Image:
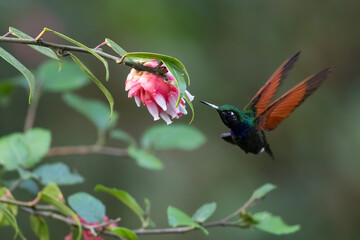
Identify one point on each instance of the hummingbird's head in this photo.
(229, 114)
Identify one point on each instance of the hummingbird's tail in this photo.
(268, 151)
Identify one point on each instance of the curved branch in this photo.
(97, 229)
(69, 48)
(83, 150)
(71, 222)
(175, 230)
(20, 203)
(49, 211)
(31, 112)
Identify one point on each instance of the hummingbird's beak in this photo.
(209, 104)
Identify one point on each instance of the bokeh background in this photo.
(230, 48)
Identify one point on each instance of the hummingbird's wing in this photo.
(262, 98)
(282, 107)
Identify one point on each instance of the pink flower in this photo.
(87, 235)
(158, 95)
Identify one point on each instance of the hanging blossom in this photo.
(158, 95)
(87, 234)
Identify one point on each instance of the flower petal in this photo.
(133, 90)
(137, 100)
(132, 79)
(171, 111)
(165, 117)
(160, 100)
(152, 63)
(172, 99)
(158, 95)
(191, 97)
(182, 109)
(154, 111)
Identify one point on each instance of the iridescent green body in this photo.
(244, 131)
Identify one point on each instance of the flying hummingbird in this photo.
(247, 126)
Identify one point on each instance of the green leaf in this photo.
(273, 224)
(69, 78)
(19, 66)
(53, 191)
(144, 159)
(14, 151)
(44, 50)
(262, 191)
(122, 136)
(74, 232)
(13, 209)
(38, 141)
(180, 80)
(107, 94)
(178, 218)
(247, 218)
(39, 227)
(11, 219)
(96, 111)
(119, 50)
(204, 212)
(62, 208)
(84, 47)
(58, 173)
(24, 150)
(88, 207)
(123, 232)
(124, 197)
(172, 137)
(25, 174)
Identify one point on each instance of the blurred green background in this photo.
(230, 48)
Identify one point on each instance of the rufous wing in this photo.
(282, 107)
(262, 98)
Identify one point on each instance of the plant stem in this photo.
(31, 113)
(63, 48)
(20, 203)
(246, 205)
(71, 222)
(17, 183)
(49, 211)
(83, 150)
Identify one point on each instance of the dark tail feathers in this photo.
(268, 151)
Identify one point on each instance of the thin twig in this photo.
(31, 113)
(83, 150)
(61, 47)
(71, 221)
(183, 229)
(20, 203)
(17, 183)
(6, 34)
(96, 228)
(225, 222)
(100, 229)
(247, 204)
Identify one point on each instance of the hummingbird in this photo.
(248, 126)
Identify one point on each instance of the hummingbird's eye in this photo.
(232, 113)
